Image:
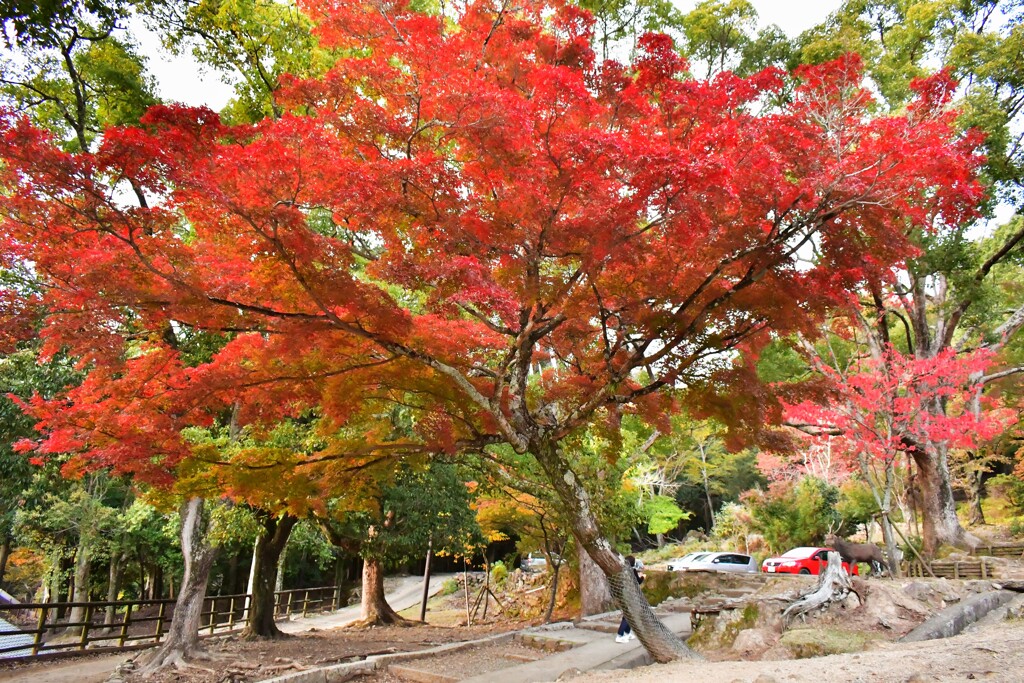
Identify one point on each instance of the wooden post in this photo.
(40, 628)
(231, 614)
(124, 625)
(86, 623)
(305, 603)
(213, 615)
(160, 621)
(956, 569)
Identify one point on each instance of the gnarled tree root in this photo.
(833, 586)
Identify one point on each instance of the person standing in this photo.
(625, 632)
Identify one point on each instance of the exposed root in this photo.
(401, 622)
(180, 659)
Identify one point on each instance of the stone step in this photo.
(602, 626)
(523, 657)
(545, 642)
(408, 673)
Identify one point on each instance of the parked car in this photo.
(720, 562)
(681, 563)
(536, 562)
(805, 560)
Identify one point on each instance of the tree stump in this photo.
(834, 585)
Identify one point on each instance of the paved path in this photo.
(595, 650)
(402, 592)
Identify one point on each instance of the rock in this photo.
(765, 678)
(817, 642)
(918, 678)
(569, 674)
(752, 640)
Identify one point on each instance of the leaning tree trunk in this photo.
(661, 643)
(375, 608)
(939, 523)
(260, 622)
(182, 641)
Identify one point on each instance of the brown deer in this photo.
(859, 552)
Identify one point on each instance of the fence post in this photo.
(124, 625)
(305, 603)
(288, 608)
(956, 569)
(84, 640)
(213, 615)
(40, 627)
(231, 614)
(160, 621)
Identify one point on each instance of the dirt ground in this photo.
(992, 653)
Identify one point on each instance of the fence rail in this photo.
(40, 629)
(954, 569)
(1014, 550)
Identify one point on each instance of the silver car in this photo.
(681, 563)
(721, 562)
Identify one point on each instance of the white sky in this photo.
(182, 79)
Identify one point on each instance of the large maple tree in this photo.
(457, 199)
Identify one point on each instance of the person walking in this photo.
(625, 632)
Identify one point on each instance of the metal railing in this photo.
(124, 625)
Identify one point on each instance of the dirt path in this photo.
(992, 653)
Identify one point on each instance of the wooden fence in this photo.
(41, 630)
(1013, 550)
(954, 569)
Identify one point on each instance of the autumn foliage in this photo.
(456, 200)
(884, 407)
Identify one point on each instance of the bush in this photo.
(789, 515)
(450, 587)
(1017, 526)
(1011, 488)
(499, 572)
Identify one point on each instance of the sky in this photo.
(182, 79)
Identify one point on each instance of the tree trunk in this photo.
(260, 622)
(117, 561)
(375, 608)
(939, 523)
(5, 552)
(80, 591)
(595, 593)
(182, 642)
(977, 491)
(662, 644)
(554, 591)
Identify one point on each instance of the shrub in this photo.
(1011, 488)
(499, 572)
(450, 587)
(789, 515)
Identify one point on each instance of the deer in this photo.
(858, 552)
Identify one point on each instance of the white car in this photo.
(719, 562)
(681, 563)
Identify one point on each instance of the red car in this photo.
(802, 561)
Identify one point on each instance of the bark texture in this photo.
(260, 622)
(182, 643)
(939, 524)
(375, 608)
